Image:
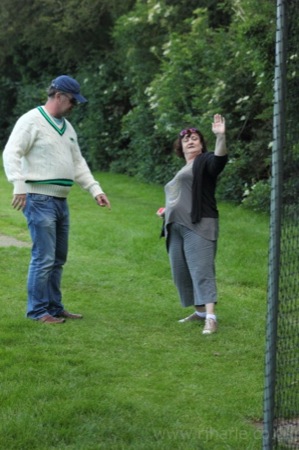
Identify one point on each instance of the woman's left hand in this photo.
(218, 126)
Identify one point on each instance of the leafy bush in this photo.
(149, 70)
(257, 196)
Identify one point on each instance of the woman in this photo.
(191, 222)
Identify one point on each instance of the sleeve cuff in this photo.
(20, 187)
(96, 190)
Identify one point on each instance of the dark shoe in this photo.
(68, 315)
(50, 319)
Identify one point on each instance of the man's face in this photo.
(66, 103)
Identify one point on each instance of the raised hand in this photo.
(218, 126)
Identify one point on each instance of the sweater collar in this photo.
(52, 122)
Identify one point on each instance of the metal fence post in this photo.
(275, 224)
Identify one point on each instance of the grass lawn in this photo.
(129, 376)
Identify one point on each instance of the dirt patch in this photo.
(8, 241)
(286, 432)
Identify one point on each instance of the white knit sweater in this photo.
(42, 158)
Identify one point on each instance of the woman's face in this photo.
(191, 145)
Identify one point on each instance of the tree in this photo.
(40, 39)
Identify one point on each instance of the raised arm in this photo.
(218, 128)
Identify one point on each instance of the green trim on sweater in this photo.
(50, 121)
(59, 182)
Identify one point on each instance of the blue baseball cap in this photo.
(67, 84)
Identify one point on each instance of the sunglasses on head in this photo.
(188, 131)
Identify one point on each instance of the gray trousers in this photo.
(192, 262)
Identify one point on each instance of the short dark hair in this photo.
(51, 91)
(178, 148)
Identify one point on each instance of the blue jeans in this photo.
(48, 223)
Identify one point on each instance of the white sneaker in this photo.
(193, 318)
(210, 326)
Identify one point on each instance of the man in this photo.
(42, 159)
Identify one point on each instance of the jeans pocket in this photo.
(39, 198)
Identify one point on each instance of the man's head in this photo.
(64, 94)
(67, 85)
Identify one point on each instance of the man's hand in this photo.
(218, 126)
(102, 200)
(19, 201)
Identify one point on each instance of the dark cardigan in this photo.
(206, 168)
